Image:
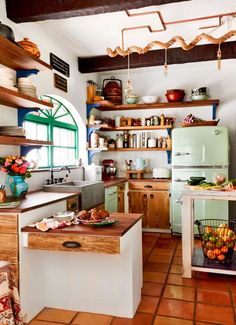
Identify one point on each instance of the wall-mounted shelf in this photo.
(16, 58)
(20, 141)
(129, 149)
(15, 99)
(107, 106)
(106, 127)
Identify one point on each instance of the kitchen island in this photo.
(83, 268)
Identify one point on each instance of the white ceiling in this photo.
(91, 35)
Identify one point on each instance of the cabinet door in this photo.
(111, 199)
(158, 210)
(138, 204)
(120, 202)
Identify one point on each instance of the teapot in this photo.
(140, 163)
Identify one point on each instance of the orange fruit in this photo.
(224, 249)
(217, 251)
(220, 257)
(211, 255)
(210, 245)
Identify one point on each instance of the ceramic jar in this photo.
(29, 47)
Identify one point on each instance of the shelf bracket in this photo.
(90, 107)
(22, 112)
(24, 150)
(214, 108)
(168, 156)
(26, 73)
(90, 156)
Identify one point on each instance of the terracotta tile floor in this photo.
(167, 298)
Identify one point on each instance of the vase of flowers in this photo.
(17, 169)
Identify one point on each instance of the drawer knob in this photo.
(71, 244)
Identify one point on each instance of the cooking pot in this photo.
(161, 173)
(7, 32)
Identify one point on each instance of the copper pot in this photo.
(175, 95)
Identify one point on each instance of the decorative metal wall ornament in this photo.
(176, 39)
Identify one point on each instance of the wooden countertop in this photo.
(36, 200)
(126, 221)
(156, 180)
(114, 181)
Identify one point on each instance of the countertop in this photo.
(156, 180)
(36, 200)
(115, 181)
(126, 221)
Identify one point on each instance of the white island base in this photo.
(90, 282)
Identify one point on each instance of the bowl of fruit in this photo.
(218, 239)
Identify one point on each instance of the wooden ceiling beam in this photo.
(27, 10)
(199, 53)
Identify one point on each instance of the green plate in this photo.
(104, 223)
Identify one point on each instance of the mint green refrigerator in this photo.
(198, 151)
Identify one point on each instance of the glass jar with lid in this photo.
(119, 141)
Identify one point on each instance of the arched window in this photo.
(56, 125)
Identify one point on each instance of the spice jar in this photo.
(126, 139)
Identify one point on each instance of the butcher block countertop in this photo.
(125, 222)
(114, 181)
(35, 200)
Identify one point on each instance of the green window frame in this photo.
(59, 121)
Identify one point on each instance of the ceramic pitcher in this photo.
(140, 163)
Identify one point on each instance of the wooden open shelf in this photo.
(16, 58)
(105, 127)
(20, 141)
(107, 106)
(129, 149)
(16, 99)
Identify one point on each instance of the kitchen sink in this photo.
(91, 193)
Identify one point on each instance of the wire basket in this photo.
(218, 239)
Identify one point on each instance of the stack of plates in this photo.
(7, 78)
(15, 131)
(26, 87)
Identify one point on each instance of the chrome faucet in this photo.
(57, 170)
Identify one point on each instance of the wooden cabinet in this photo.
(9, 241)
(121, 197)
(152, 200)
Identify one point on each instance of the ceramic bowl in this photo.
(150, 99)
(97, 122)
(199, 97)
(64, 216)
(131, 99)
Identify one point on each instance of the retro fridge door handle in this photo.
(181, 154)
(180, 180)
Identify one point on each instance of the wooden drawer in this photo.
(9, 248)
(87, 244)
(8, 223)
(121, 187)
(149, 186)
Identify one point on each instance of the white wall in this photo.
(221, 85)
(44, 82)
